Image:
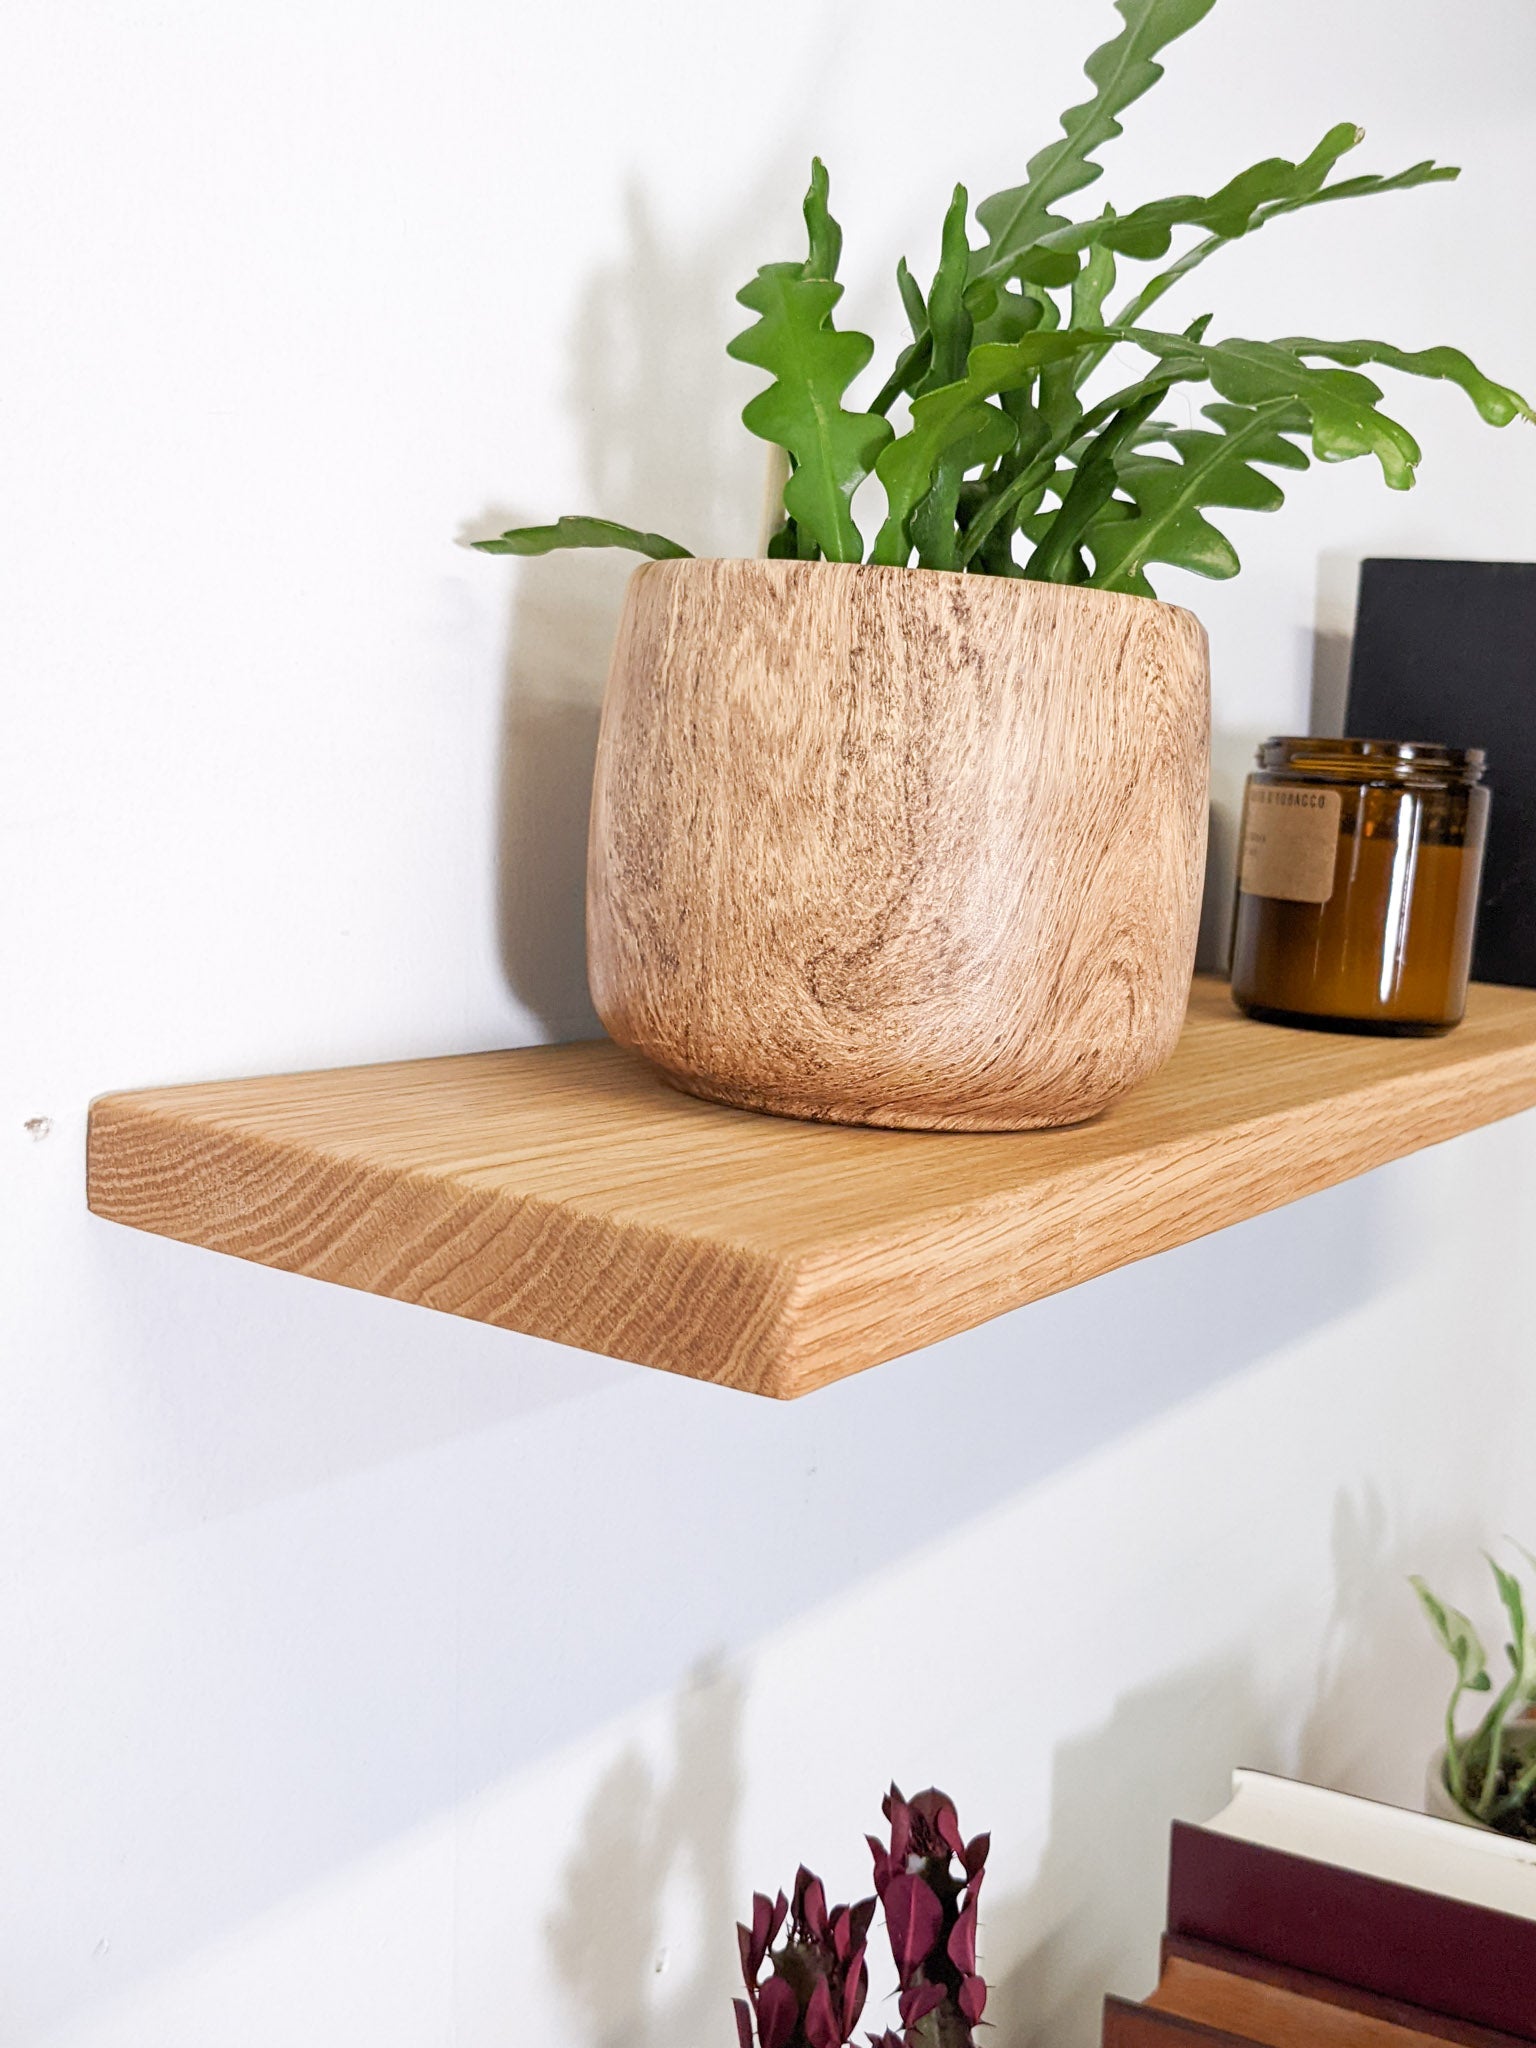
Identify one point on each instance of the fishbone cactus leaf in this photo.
(950, 326)
(1229, 223)
(1147, 231)
(831, 450)
(954, 414)
(1121, 71)
(1008, 435)
(1170, 497)
(1496, 402)
(575, 532)
(1341, 404)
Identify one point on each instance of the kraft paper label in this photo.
(1290, 842)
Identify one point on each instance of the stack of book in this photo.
(1300, 1918)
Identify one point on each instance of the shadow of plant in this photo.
(644, 1838)
(1376, 1718)
(657, 404)
(1166, 1751)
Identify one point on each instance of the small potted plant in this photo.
(809, 1991)
(912, 832)
(1488, 1774)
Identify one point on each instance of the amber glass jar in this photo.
(1357, 884)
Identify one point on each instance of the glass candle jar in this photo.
(1357, 884)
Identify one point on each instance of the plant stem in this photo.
(1035, 477)
(1455, 1769)
(775, 477)
(1092, 488)
(1039, 470)
(1492, 1734)
(911, 367)
(1519, 1791)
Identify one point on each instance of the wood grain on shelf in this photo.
(566, 1191)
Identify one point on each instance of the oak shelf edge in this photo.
(567, 1193)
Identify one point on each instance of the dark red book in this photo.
(1423, 1911)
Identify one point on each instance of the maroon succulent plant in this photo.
(817, 1980)
(930, 1916)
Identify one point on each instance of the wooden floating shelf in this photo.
(567, 1192)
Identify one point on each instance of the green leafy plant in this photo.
(1006, 462)
(1491, 1772)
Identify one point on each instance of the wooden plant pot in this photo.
(889, 846)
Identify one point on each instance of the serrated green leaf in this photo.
(1045, 266)
(907, 375)
(991, 311)
(1009, 506)
(1366, 186)
(1146, 232)
(912, 363)
(831, 450)
(1009, 316)
(578, 532)
(1496, 402)
(949, 317)
(1050, 312)
(1059, 403)
(913, 302)
(1341, 404)
(822, 231)
(1121, 70)
(1170, 497)
(934, 526)
(1059, 556)
(1092, 286)
(954, 414)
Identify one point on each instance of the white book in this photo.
(1446, 1857)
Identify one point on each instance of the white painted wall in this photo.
(372, 1678)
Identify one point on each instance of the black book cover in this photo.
(1446, 651)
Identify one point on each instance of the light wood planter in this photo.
(888, 846)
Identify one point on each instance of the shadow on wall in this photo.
(1232, 752)
(1104, 1869)
(524, 1495)
(562, 630)
(1338, 586)
(1167, 1751)
(658, 405)
(607, 1938)
(1024, 1396)
(1377, 1654)
(1330, 680)
(1231, 758)
(1090, 1922)
(480, 1455)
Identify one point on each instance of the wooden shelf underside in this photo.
(566, 1191)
